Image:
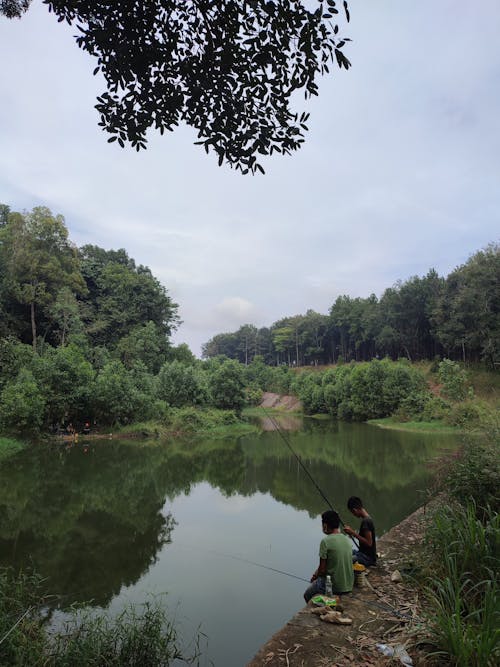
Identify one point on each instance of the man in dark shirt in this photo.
(367, 552)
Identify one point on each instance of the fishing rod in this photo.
(286, 441)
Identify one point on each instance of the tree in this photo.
(123, 296)
(179, 385)
(228, 69)
(38, 261)
(466, 316)
(227, 386)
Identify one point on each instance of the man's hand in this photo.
(349, 530)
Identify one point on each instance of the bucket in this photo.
(359, 575)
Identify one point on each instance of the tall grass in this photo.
(140, 635)
(463, 546)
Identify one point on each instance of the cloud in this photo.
(399, 172)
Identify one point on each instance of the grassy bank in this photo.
(461, 559)
(9, 447)
(191, 421)
(414, 426)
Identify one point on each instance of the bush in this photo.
(227, 386)
(179, 385)
(253, 395)
(22, 405)
(476, 473)
(454, 380)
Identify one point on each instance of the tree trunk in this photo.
(33, 324)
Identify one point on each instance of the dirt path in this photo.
(306, 641)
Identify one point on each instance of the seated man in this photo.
(335, 559)
(367, 552)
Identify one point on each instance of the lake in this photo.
(114, 521)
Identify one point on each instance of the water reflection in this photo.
(94, 518)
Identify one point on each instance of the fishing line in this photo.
(378, 605)
(286, 441)
(244, 560)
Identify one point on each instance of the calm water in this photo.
(116, 521)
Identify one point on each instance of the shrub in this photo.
(476, 473)
(226, 385)
(253, 395)
(22, 405)
(179, 385)
(454, 380)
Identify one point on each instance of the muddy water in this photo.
(113, 521)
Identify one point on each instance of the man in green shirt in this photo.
(335, 559)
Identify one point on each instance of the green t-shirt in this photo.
(336, 548)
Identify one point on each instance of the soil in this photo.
(285, 403)
(382, 612)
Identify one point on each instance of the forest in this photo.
(85, 338)
(455, 317)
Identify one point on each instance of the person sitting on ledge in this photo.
(367, 552)
(335, 559)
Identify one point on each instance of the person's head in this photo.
(355, 505)
(330, 521)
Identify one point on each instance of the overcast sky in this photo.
(400, 171)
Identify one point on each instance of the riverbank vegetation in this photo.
(139, 635)
(462, 558)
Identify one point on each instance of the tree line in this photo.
(457, 317)
(85, 336)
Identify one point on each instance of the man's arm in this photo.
(365, 537)
(321, 571)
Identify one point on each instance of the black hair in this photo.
(331, 518)
(354, 503)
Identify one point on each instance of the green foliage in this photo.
(422, 318)
(9, 447)
(263, 52)
(227, 386)
(358, 391)
(115, 395)
(67, 380)
(454, 380)
(145, 343)
(466, 313)
(20, 601)
(308, 387)
(181, 385)
(462, 591)
(38, 262)
(126, 301)
(22, 404)
(476, 473)
(253, 396)
(199, 420)
(139, 635)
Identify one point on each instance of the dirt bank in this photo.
(306, 641)
(285, 403)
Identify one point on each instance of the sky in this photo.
(400, 171)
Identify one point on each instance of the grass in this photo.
(191, 421)
(140, 635)
(9, 447)
(422, 427)
(462, 556)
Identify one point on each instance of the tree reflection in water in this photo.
(94, 517)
